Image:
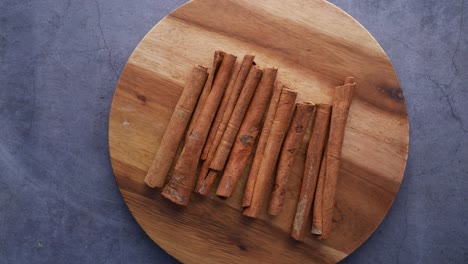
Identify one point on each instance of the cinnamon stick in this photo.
(224, 148)
(341, 104)
(315, 149)
(175, 129)
(248, 132)
(223, 115)
(220, 113)
(317, 215)
(279, 127)
(299, 124)
(180, 185)
(261, 147)
(218, 58)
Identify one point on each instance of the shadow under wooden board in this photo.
(315, 45)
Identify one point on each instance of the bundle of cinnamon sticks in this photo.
(237, 112)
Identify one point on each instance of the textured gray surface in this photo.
(59, 64)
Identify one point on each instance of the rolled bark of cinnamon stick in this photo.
(180, 185)
(236, 119)
(275, 140)
(317, 215)
(315, 149)
(233, 91)
(299, 124)
(218, 58)
(248, 132)
(172, 137)
(219, 159)
(342, 102)
(261, 147)
(223, 116)
(220, 113)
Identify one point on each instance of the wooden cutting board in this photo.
(315, 45)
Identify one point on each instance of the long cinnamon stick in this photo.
(299, 124)
(315, 149)
(220, 113)
(236, 119)
(175, 129)
(180, 185)
(233, 91)
(342, 102)
(275, 140)
(223, 115)
(218, 58)
(317, 215)
(218, 161)
(248, 132)
(261, 147)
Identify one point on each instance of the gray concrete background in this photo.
(59, 64)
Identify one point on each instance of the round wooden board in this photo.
(315, 45)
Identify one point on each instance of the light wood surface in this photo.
(315, 46)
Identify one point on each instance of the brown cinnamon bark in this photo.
(220, 113)
(227, 106)
(216, 134)
(180, 185)
(311, 171)
(167, 151)
(299, 124)
(218, 58)
(236, 119)
(317, 215)
(248, 132)
(261, 147)
(280, 125)
(218, 161)
(341, 104)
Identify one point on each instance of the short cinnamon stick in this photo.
(315, 150)
(341, 104)
(167, 151)
(261, 147)
(247, 135)
(180, 185)
(299, 124)
(218, 58)
(278, 131)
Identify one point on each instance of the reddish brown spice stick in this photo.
(167, 151)
(236, 119)
(261, 147)
(248, 132)
(299, 124)
(341, 104)
(227, 106)
(180, 185)
(315, 149)
(317, 215)
(218, 58)
(219, 159)
(272, 149)
(223, 116)
(220, 113)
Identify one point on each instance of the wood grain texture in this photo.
(315, 46)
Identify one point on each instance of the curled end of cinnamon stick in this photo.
(349, 80)
(174, 196)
